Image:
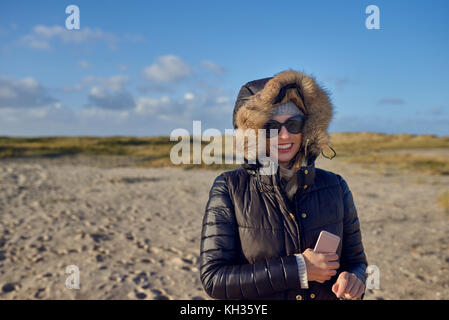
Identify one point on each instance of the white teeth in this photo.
(285, 146)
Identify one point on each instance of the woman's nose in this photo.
(284, 134)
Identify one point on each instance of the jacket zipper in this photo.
(297, 223)
(301, 231)
(288, 209)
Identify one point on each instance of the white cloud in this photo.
(222, 99)
(108, 93)
(152, 106)
(101, 114)
(189, 96)
(105, 93)
(212, 66)
(38, 44)
(23, 93)
(111, 94)
(110, 109)
(340, 82)
(41, 37)
(135, 38)
(122, 67)
(391, 100)
(167, 68)
(7, 93)
(50, 112)
(113, 83)
(84, 64)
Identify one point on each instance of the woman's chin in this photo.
(284, 157)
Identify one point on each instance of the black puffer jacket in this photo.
(251, 232)
(250, 235)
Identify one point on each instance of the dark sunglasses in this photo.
(293, 125)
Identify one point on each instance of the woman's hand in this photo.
(348, 285)
(320, 266)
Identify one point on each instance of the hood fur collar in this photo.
(255, 102)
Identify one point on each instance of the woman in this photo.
(259, 229)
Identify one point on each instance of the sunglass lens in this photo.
(272, 129)
(294, 126)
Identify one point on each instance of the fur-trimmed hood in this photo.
(254, 105)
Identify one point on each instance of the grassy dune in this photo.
(363, 147)
(359, 142)
(443, 201)
(404, 151)
(149, 151)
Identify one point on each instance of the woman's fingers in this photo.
(330, 273)
(331, 257)
(342, 284)
(351, 284)
(352, 291)
(356, 289)
(335, 288)
(333, 265)
(327, 276)
(348, 285)
(360, 289)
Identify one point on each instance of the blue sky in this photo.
(144, 68)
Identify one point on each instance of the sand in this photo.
(134, 233)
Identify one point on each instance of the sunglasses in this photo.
(293, 125)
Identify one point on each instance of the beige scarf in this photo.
(288, 176)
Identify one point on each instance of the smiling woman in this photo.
(259, 229)
(286, 123)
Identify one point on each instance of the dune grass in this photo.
(362, 147)
(383, 149)
(438, 165)
(352, 143)
(58, 146)
(149, 151)
(443, 201)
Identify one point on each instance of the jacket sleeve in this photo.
(222, 272)
(353, 257)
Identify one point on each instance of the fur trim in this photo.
(257, 109)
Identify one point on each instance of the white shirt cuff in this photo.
(302, 271)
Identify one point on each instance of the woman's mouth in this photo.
(286, 147)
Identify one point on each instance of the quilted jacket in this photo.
(251, 230)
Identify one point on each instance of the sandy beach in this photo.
(134, 233)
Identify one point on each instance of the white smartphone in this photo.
(327, 243)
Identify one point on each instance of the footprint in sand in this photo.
(141, 277)
(159, 295)
(11, 286)
(140, 295)
(98, 237)
(40, 293)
